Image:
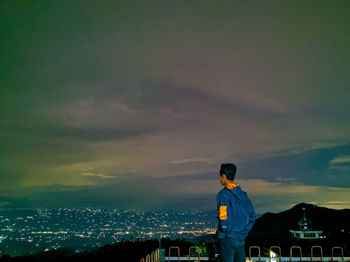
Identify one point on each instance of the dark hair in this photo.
(229, 170)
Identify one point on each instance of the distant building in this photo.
(306, 231)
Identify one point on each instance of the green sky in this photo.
(136, 104)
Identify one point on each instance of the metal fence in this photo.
(153, 257)
(275, 255)
(296, 254)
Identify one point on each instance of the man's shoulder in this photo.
(244, 193)
(223, 192)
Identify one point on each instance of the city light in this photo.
(49, 229)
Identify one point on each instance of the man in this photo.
(236, 216)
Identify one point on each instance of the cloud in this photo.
(208, 160)
(103, 176)
(178, 193)
(313, 146)
(285, 179)
(261, 187)
(333, 204)
(173, 94)
(310, 167)
(279, 196)
(340, 160)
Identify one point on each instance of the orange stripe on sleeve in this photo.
(222, 212)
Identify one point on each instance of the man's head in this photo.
(227, 172)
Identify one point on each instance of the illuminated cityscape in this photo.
(38, 230)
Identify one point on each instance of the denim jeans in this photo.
(232, 250)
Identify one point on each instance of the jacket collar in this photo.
(231, 185)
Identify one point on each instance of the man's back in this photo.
(236, 216)
(240, 215)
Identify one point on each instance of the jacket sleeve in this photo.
(252, 215)
(223, 205)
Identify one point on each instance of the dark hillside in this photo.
(278, 225)
(273, 229)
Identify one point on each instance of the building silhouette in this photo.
(305, 229)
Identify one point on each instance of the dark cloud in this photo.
(181, 192)
(311, 167)
(93, 91)
(59, 132)
(141, 193)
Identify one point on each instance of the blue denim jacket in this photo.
(236, 213)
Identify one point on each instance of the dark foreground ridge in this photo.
(269, 230)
